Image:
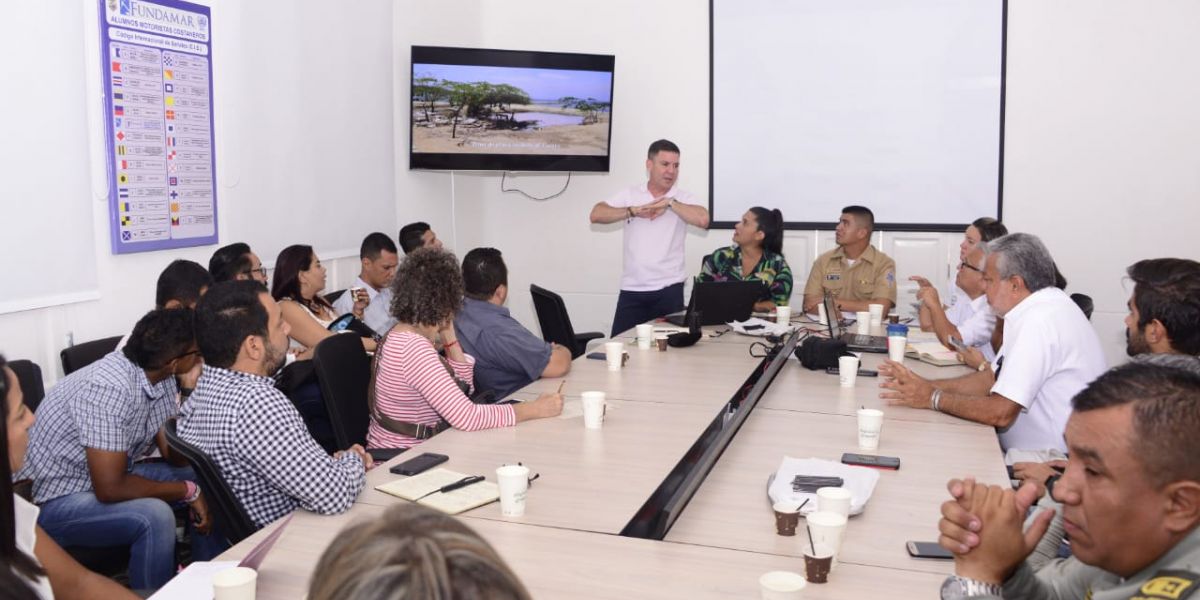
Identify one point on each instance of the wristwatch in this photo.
(956, 588)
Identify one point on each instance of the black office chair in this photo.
(344, 373)
(81, 355)
(30, 377)
(332, 297)
(227, 511)
(1084, 302)
(556, 324)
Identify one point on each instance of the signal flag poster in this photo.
(156, 61)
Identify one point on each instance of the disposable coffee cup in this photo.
(783, 315)
(817, 562)
(593, 410)
(897, 344)
(237, 583)
(514, 487)
(847, 370)
(645, 336)
(870, 426)
(661, 343)
(876, 312)
(862, 322)
(781, 585)
(614, 353)
(787, 517)
(834, 500)
(821, 316)
(358, 294)
(827, 528)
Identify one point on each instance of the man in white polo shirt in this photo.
(656, 216)
(1050, 353)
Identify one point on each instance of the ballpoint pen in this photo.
(450, 487)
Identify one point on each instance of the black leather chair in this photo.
(81, 355)
(344, 373)
(1085, 304)
(332, 297)
(226, 510)
(556, 324)
(30, 377)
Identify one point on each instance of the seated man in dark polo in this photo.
(248, 427)
(507, 356)
(93, 427)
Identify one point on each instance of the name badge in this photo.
(833, 277)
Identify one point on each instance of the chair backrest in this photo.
(344, 373)
(552, 317)
(81, 355)
(332, 297)
(231, 517)
(1085, 304)
(29, 375)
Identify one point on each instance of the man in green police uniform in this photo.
(855, 272)
(1130, 496)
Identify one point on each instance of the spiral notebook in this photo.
(451, 503)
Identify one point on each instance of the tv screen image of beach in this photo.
(510, 110)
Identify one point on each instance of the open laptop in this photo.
(721, 302)
(854, 341)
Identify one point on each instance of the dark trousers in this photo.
(634, 308)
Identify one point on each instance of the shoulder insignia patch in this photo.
(1168, 585)
(891, 278)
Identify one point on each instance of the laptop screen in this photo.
(833, 316)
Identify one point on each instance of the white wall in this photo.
(1100, 154)
(291, 82)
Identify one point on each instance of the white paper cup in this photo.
(876, 312)
(593, 410)
(614, 353)
(821, 316)
(834, 500)
(514, 487)
(870, 426)
(847, 370)
(896, 346)
(781, 585)
(645, 336)
(862, 322)
(783, 315)
(827, 530)
(237, 583)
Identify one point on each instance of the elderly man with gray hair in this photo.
(1050, 353)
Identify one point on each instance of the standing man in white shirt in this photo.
(379, 260)
(656, 216)
(1050, 353)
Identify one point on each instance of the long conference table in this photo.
(593, 482)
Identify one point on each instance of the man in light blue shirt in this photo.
(379, 261)
(507, 356)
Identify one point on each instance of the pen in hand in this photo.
(560, 386)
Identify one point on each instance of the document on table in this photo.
(451, 503)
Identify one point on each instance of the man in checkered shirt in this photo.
(91, 429)
(248, 427)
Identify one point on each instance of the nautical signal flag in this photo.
(124, 207)
(121, 136)
(174, 207)
(170, 100)
(118, 96)
(117, 52)
(116, 67)
(125, 221)
(117, 121)
(175, 221)
(168, 88)
(118, 110)
(118, 81)
(120, 150)
(170, 141)
(123, 178)
(123, 193)
(167, 74)
(125, 236)
(174, 181)
(124, 164)
(170, 114)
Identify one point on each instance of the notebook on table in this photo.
(857, 342)
(933, 353)
(721, 302)
(451, 503)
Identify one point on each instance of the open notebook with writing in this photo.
(451, 503)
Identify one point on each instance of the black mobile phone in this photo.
(871, 460)
(957, 344)
(927, 550)
(861, 372)
(754, 327)
(596, 355)
(419, 464)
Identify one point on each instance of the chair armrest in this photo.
(584, 338)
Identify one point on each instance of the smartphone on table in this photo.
(927, 550)
(419, 464)
(871, 460)
(861, 372)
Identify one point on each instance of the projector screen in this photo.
(896, 105)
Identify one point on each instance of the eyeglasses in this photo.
(261, 271)
(965, 265)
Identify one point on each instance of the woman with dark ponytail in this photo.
(756, 253)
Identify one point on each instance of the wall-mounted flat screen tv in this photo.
(506, 110)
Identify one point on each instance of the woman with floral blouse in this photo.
(756, 253)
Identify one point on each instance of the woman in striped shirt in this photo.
(417, 393)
